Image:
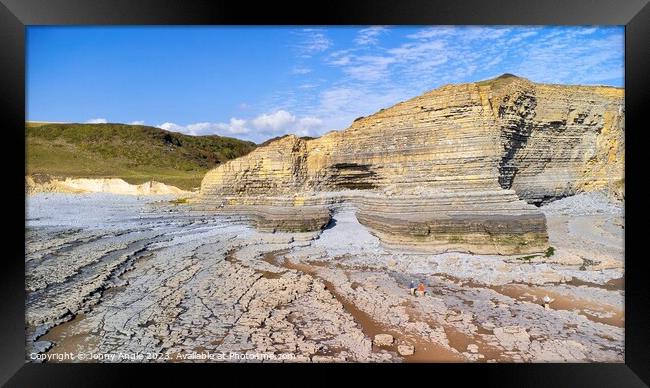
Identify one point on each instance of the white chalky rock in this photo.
(405, 350)
(513, 337)
(383, 340)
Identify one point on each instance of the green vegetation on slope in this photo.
(135, 153)
(499, 81)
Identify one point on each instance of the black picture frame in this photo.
(15, 15)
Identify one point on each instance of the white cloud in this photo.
(415, 60)
(369, 68)
(410, 57)
(97, 121)
(307, 126)
(587, 31)
(282, 122)
(340, 57)
(417, 50)
(257, 129)
(205, 128)
(300, 70)
(309, 122)
(495, 61)
(573, 57)
(340, 105)
(167, 126)
(137, 122)
(341, 61)
(234, 127)
(274, 121)
(370, 35)
(432, 32)
(522, 36)
(312, 41)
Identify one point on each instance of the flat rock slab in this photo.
(383, 340)
(406, 350)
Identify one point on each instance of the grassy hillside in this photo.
(135, 153)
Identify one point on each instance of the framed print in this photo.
(427, 188)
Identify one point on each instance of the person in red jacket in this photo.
(421, 289)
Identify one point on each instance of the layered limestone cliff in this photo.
(456, 168)
(560, 140)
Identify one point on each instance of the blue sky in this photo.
(255, 83)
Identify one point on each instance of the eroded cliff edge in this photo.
(457, 168)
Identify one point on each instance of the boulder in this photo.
(405, 349)
(383, 340)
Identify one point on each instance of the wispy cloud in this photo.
(569, 58)
(379, 76)
(312, 41)
(137, 122)
(370, 35)
(447, 53)
(340, 105)
(587, 31)
(431, 32)
(369, 67)
(385, 63)
(300, 70)
(374, 73)
(415, 51)
(522, 36)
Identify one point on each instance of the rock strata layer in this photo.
(453, 169)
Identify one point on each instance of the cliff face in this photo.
(443, 139)
(451, 169)
(560, 140)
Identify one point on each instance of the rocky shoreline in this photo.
(110, 274)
